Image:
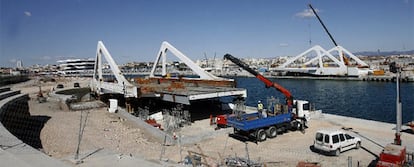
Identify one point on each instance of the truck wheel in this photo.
(337, 152)
(235, 131)
(287, 127)
(261, 135)
(284, 128)
(357, 145)
(271, 132)
(295, 125)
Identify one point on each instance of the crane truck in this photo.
(260, 126)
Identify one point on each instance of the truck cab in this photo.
(301, 108)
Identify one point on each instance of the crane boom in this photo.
(323, 25)
(346, 61)
(266, 81)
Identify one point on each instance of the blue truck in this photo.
(267, 123)
(259, 127)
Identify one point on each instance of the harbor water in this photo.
(366, 100)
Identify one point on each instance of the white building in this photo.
(19, 64)
(76, 67)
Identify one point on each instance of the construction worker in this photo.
(259, 106)
(260, 109)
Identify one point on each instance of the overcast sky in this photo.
(44, 31)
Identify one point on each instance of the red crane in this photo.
(221, 120)
(267, 82)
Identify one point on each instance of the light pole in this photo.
(397, 70)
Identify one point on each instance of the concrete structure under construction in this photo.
(161, 84)
(183, 99)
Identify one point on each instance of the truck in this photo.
(268, 123)
(301, 106)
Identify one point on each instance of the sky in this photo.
(44, 31)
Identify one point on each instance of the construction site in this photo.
(166, 120)
(177, 112)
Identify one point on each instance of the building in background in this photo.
(19, 64)
(76, 67)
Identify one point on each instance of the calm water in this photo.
(367, 100)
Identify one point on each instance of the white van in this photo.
(335, 141)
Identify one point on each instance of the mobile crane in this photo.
(346, 61)
(261, 126)
(267, 82)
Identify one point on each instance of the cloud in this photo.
(307, 13)
(406, 1)
(27, 13)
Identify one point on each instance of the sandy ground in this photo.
(117, 139)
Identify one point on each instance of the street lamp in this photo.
(397, 70)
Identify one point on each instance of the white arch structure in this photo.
(338, 68)
(183, 96)
(162, 56)
(121, 85)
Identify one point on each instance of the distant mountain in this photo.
(384, 53)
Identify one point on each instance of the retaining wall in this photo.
(162, 136)
(20, 132)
